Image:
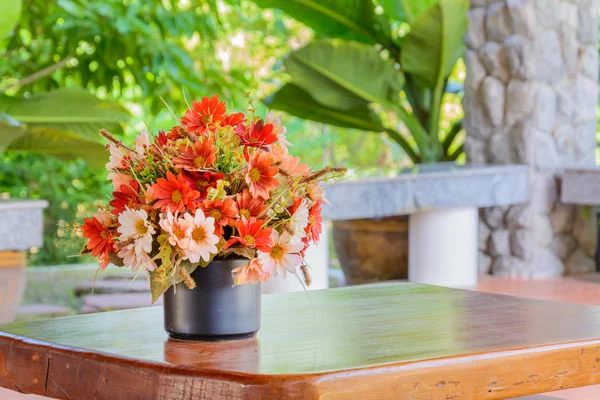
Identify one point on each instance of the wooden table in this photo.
(387, 341)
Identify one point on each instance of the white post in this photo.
(317, 257)
(443, 247)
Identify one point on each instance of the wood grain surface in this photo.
(386, 341)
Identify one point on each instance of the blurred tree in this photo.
(373, 56)
(142, 50)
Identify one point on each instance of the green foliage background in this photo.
(135, 52)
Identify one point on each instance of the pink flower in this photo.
(251, 272)
(283, 254)
(175, 228)
(135, 260)
(116, 160)
(118, 179)
(142, 142)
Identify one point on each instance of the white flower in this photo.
(278, 129)
(131, 258)
(283, 255)
(141, 142)
(202, 239)
(134, 225)
(298, 222)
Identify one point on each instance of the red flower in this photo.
(306, 242)
(204, 116)
(249, 206)
(161, 139)
(202, 181)
(292, 209)
(258, 135)
(223, 211)
(234, 119)
(200, 155)
(100, 240)
(174, 194)
(127, 195)
(251, 234)
(315, 222)
(261, 175)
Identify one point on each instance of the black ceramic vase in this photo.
(215, 309)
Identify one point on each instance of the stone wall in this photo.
(530, 98)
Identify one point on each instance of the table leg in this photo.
(443, 247)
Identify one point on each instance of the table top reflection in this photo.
(363, 341)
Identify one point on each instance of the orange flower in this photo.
(249, 206)
(204, 116)
(234, 119)
(261, 175)
(100, 240)
(315, 221)
(251, 234)
(223, 211)
(200, 155)
(257, 135)
(251, 272)
(174, 194)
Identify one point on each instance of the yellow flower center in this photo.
(104, 235)
(199, 234)
(176, 196)
(255, 175)
(215, 213)
(249, 239)
(179, 233)
(140, 227)
(202, 185)
(277, 252)
(245, 213)
(199, 162)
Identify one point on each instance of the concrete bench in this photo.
(442, 201)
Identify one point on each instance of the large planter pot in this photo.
(372, 250)
(215, 309)
(21, 228)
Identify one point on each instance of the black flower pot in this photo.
(215, 309)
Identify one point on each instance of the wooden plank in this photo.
(373, 342)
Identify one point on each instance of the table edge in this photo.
(318, 383)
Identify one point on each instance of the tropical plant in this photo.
(62, 122)
(371, 65)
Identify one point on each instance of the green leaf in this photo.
(159, 287)
(72, 110)
(295, 101)
(63, 123)
(66, 146)
(435, 42)
(10, 13)
(406, 10)
(10, 130)
(344, 75)
(344, 19)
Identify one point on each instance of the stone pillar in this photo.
(530, 98)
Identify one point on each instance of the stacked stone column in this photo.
(531, 92)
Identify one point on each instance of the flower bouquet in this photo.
(218, 191)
